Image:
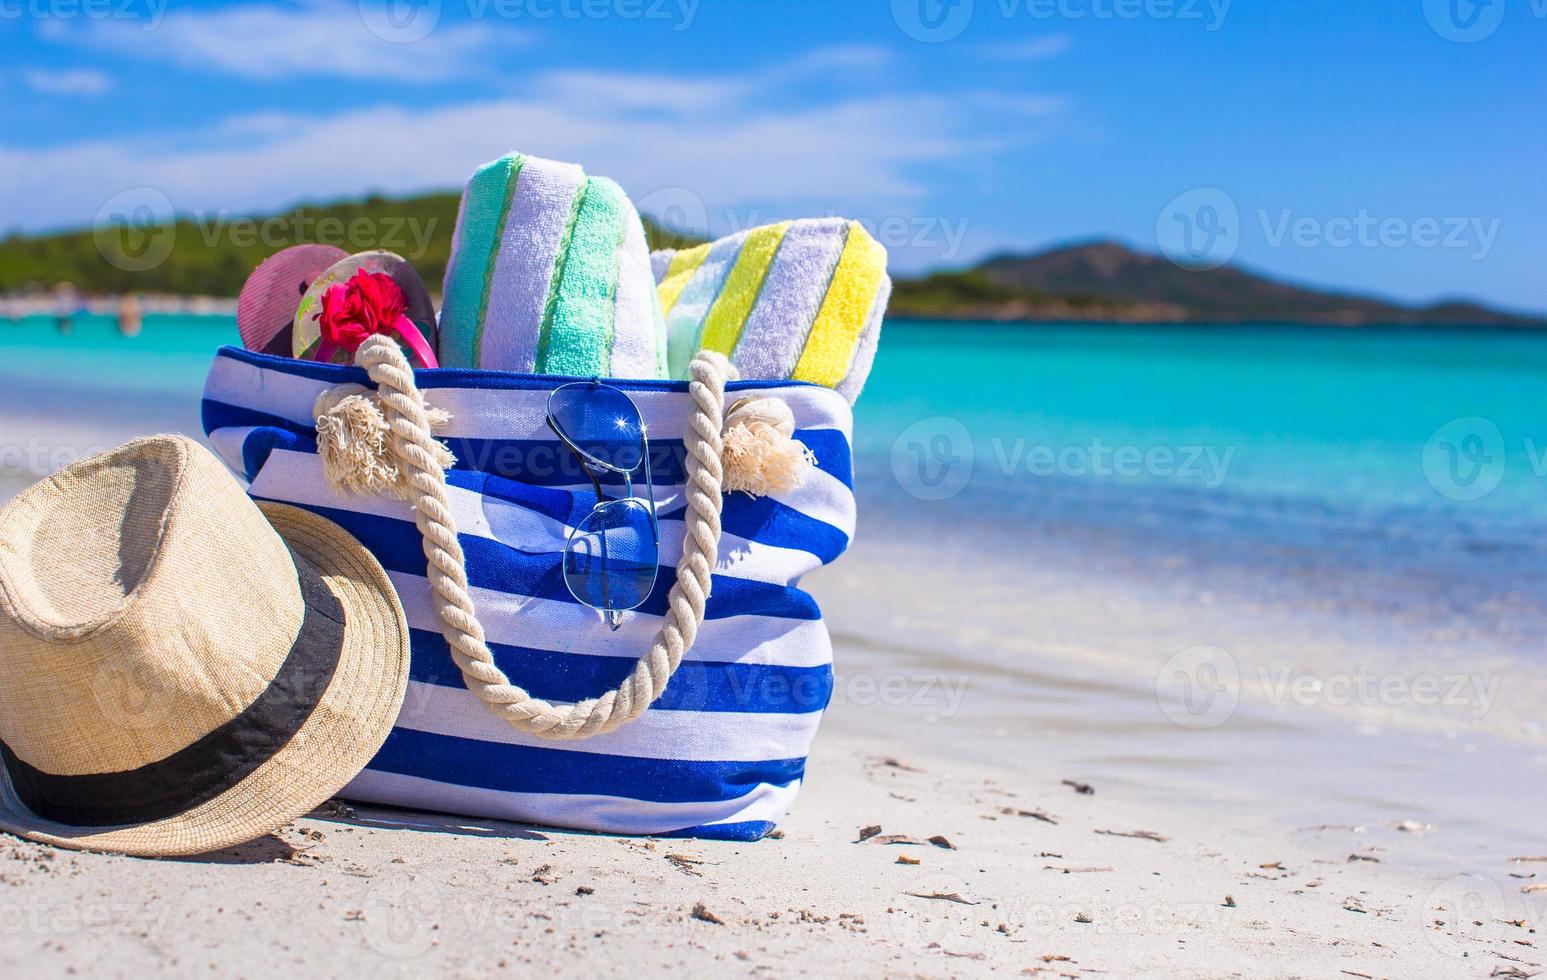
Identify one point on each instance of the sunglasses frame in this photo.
(587, 461)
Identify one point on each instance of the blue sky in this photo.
(1389, 146)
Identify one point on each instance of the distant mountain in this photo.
(1106, 280)
(211, 255)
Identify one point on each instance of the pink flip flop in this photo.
(419, 336)
(265, 310)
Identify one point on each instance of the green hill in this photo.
(212, 255)
(1107, 281)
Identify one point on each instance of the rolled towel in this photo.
(797, 299)
(550, 274)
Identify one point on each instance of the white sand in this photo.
(398, 894)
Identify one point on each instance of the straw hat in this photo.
(179, 674)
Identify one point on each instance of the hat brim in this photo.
(347, 727)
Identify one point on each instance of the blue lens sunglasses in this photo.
(613, 554)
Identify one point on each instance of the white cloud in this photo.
(718, 138)
(80, 81)
(313, 38)
(639, 90)
(1034, 49)
(659, 91)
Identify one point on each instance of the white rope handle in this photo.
(423, 481)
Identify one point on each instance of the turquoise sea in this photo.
(1307, 417)
(1397, 472)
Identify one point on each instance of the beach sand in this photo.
(1028, 875)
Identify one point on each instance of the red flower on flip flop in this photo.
(369, 303)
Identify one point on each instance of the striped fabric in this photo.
(549, 273)
(722, 752)
(798, 300)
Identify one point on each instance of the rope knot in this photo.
(762, 455)
(352, 439)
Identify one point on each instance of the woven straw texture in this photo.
(144, 602)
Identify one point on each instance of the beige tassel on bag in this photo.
(352, 441)
(762, 455)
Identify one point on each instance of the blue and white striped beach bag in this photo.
(722, 751)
